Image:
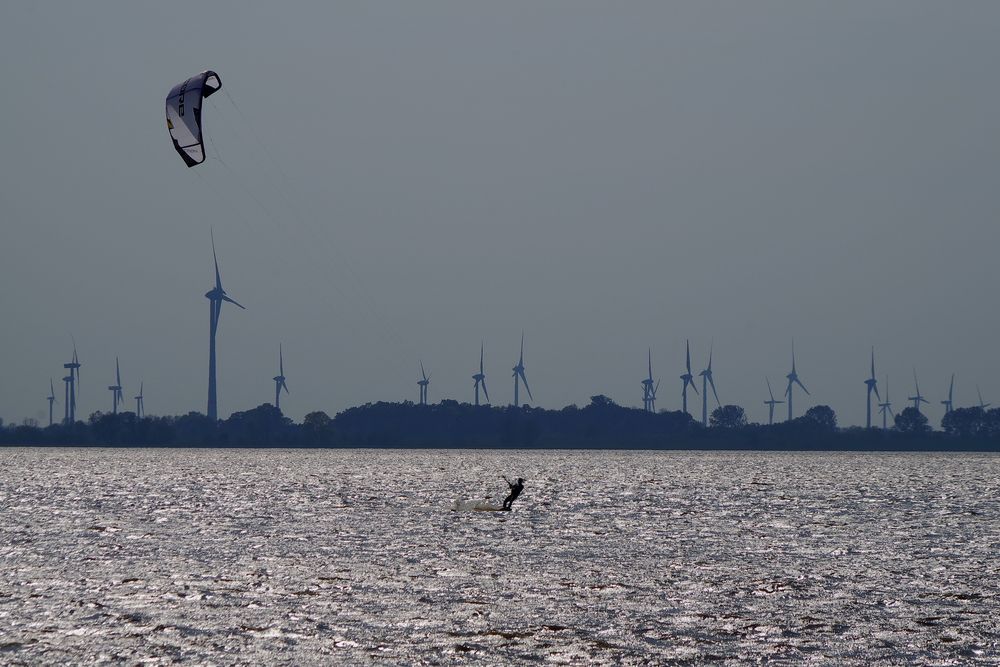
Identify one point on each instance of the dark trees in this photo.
(822, 417)
(728, 416)
(910, 420)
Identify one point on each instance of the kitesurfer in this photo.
(515, 491)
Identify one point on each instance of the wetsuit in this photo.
(515, 491)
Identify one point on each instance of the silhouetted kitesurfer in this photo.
(515, 491)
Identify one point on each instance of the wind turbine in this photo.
(872, 386)
(480, 377)
(279, 379)
(918, 399)
(52, 399)
(649, 387)
(422, 383)
(793, 379)
(948, 403)
(71, 381)
(771, 403)
(140, 408)
(215, 297)
(706, 379)
(687, 378)
(982, 406)
(519, 376)
(116, 389)
(885, 408)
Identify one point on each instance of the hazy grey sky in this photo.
(606, 176)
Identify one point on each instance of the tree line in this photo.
(600, 424)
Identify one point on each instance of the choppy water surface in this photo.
(319, 557)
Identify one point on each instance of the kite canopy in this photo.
(184, 115)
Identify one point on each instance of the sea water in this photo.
(355, 556)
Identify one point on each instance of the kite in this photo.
(184, 115)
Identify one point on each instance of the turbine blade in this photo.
(799, 382)
(525, 381)
(226, 298)
(688, 344)
(484, 390)
(215, 258)
(875, 387)
(712, 382)
(285, 386)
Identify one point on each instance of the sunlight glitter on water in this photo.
(348, 556)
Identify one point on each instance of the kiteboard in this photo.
(477, 506)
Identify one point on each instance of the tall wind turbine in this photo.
(872, 386)
(519, 376)
(885, 408)
(215, 297)
(649, 387)
(948, 404)
(71, 381)
(279, 379)
(687, 378)
(52, 399)
(793, 379)
(140, 408)
(917, 399)
(706, 379)
(771, 403)
(116, 389)
(422, 383)
(480, 377)
(982, 405)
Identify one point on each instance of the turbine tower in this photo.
(649, 388)
(688, 379)
(279, 379)
(872, 386)
(982, 406)
(519, 377)
(948, 404)
(771, 403)
(793, 379)
(886, 408)
(116, 389)
(917, 399)
(480, 377)
(67, 381)
(140, 409)
(52, 399)
(422, 383)
(71, 381)
(215, 297)
(706, 379)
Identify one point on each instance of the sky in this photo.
(391, 182)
